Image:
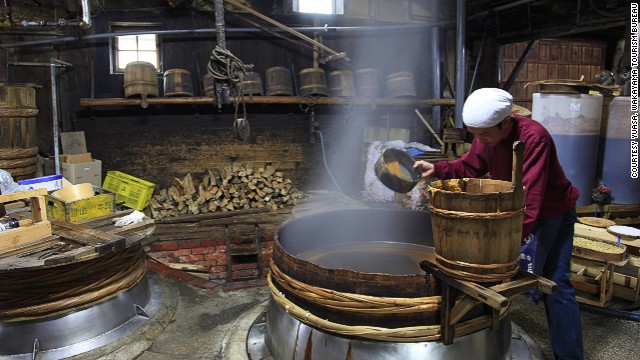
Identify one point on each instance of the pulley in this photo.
(241, 129)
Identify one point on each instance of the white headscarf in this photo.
(486, 107)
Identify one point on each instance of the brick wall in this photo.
(213, 256)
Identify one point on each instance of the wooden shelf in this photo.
(205, 100)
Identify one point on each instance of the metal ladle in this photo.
(395, 170)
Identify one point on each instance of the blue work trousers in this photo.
(552, 244)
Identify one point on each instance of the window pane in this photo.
(147, 42)
(125, 57)
(316, 6)
(127, 42)
(149, 56)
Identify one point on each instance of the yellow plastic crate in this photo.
(133, 192)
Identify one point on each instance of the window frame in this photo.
(132, 27)
(337, 7)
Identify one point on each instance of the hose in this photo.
(324, 158)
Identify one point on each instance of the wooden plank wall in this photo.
(551, 59)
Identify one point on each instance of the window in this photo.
(319, 6)
(136, 44)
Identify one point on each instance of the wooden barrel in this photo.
(279, 82)
(208, 85)
(341, 83)
(313, 82)
(367, 82)
(141, 78)
(251, 84)
(477, 228)
(400, 85)
(18, 149)
(177, 82)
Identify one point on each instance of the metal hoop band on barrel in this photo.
(141, 82)
(461, 214)
(509, 269)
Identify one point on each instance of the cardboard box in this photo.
(76, 158)
(90, 172)
(103, 203)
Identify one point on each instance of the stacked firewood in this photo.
(234, 188)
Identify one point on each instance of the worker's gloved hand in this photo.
(134, 217)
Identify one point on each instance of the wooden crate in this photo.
(626, 279)
(30, 230)
(593, 280)
(103, 203)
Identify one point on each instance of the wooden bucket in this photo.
(313, 82)
(341, 83)
(251, 84)
(208, 85)
(18, 149)
(141, 78)
(367, 82)
(177, 82)
(400, 85)
(279, 81)
(477, 228)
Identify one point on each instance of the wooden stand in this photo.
(460, 296)
(36, 228)
(600, 285)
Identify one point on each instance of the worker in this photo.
(549, 217)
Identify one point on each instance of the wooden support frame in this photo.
(460, 296)
(30, 230)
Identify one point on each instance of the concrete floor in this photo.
(213, 324)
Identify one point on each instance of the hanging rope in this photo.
(224, 66)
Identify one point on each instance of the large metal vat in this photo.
(370, 253)
(574, 123)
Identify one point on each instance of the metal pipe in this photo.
(460, 62)
(500, 8)
(27, 63)
(384, 29)
(436, 84)
(86, 14)
(54, 108)
(220, 31)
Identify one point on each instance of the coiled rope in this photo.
(224, 66)
(31, 294)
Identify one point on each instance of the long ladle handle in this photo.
(516, 172)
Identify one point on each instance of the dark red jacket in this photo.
(548, 191)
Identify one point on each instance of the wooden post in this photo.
(516, 173)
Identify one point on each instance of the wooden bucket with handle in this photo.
(477, 225)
